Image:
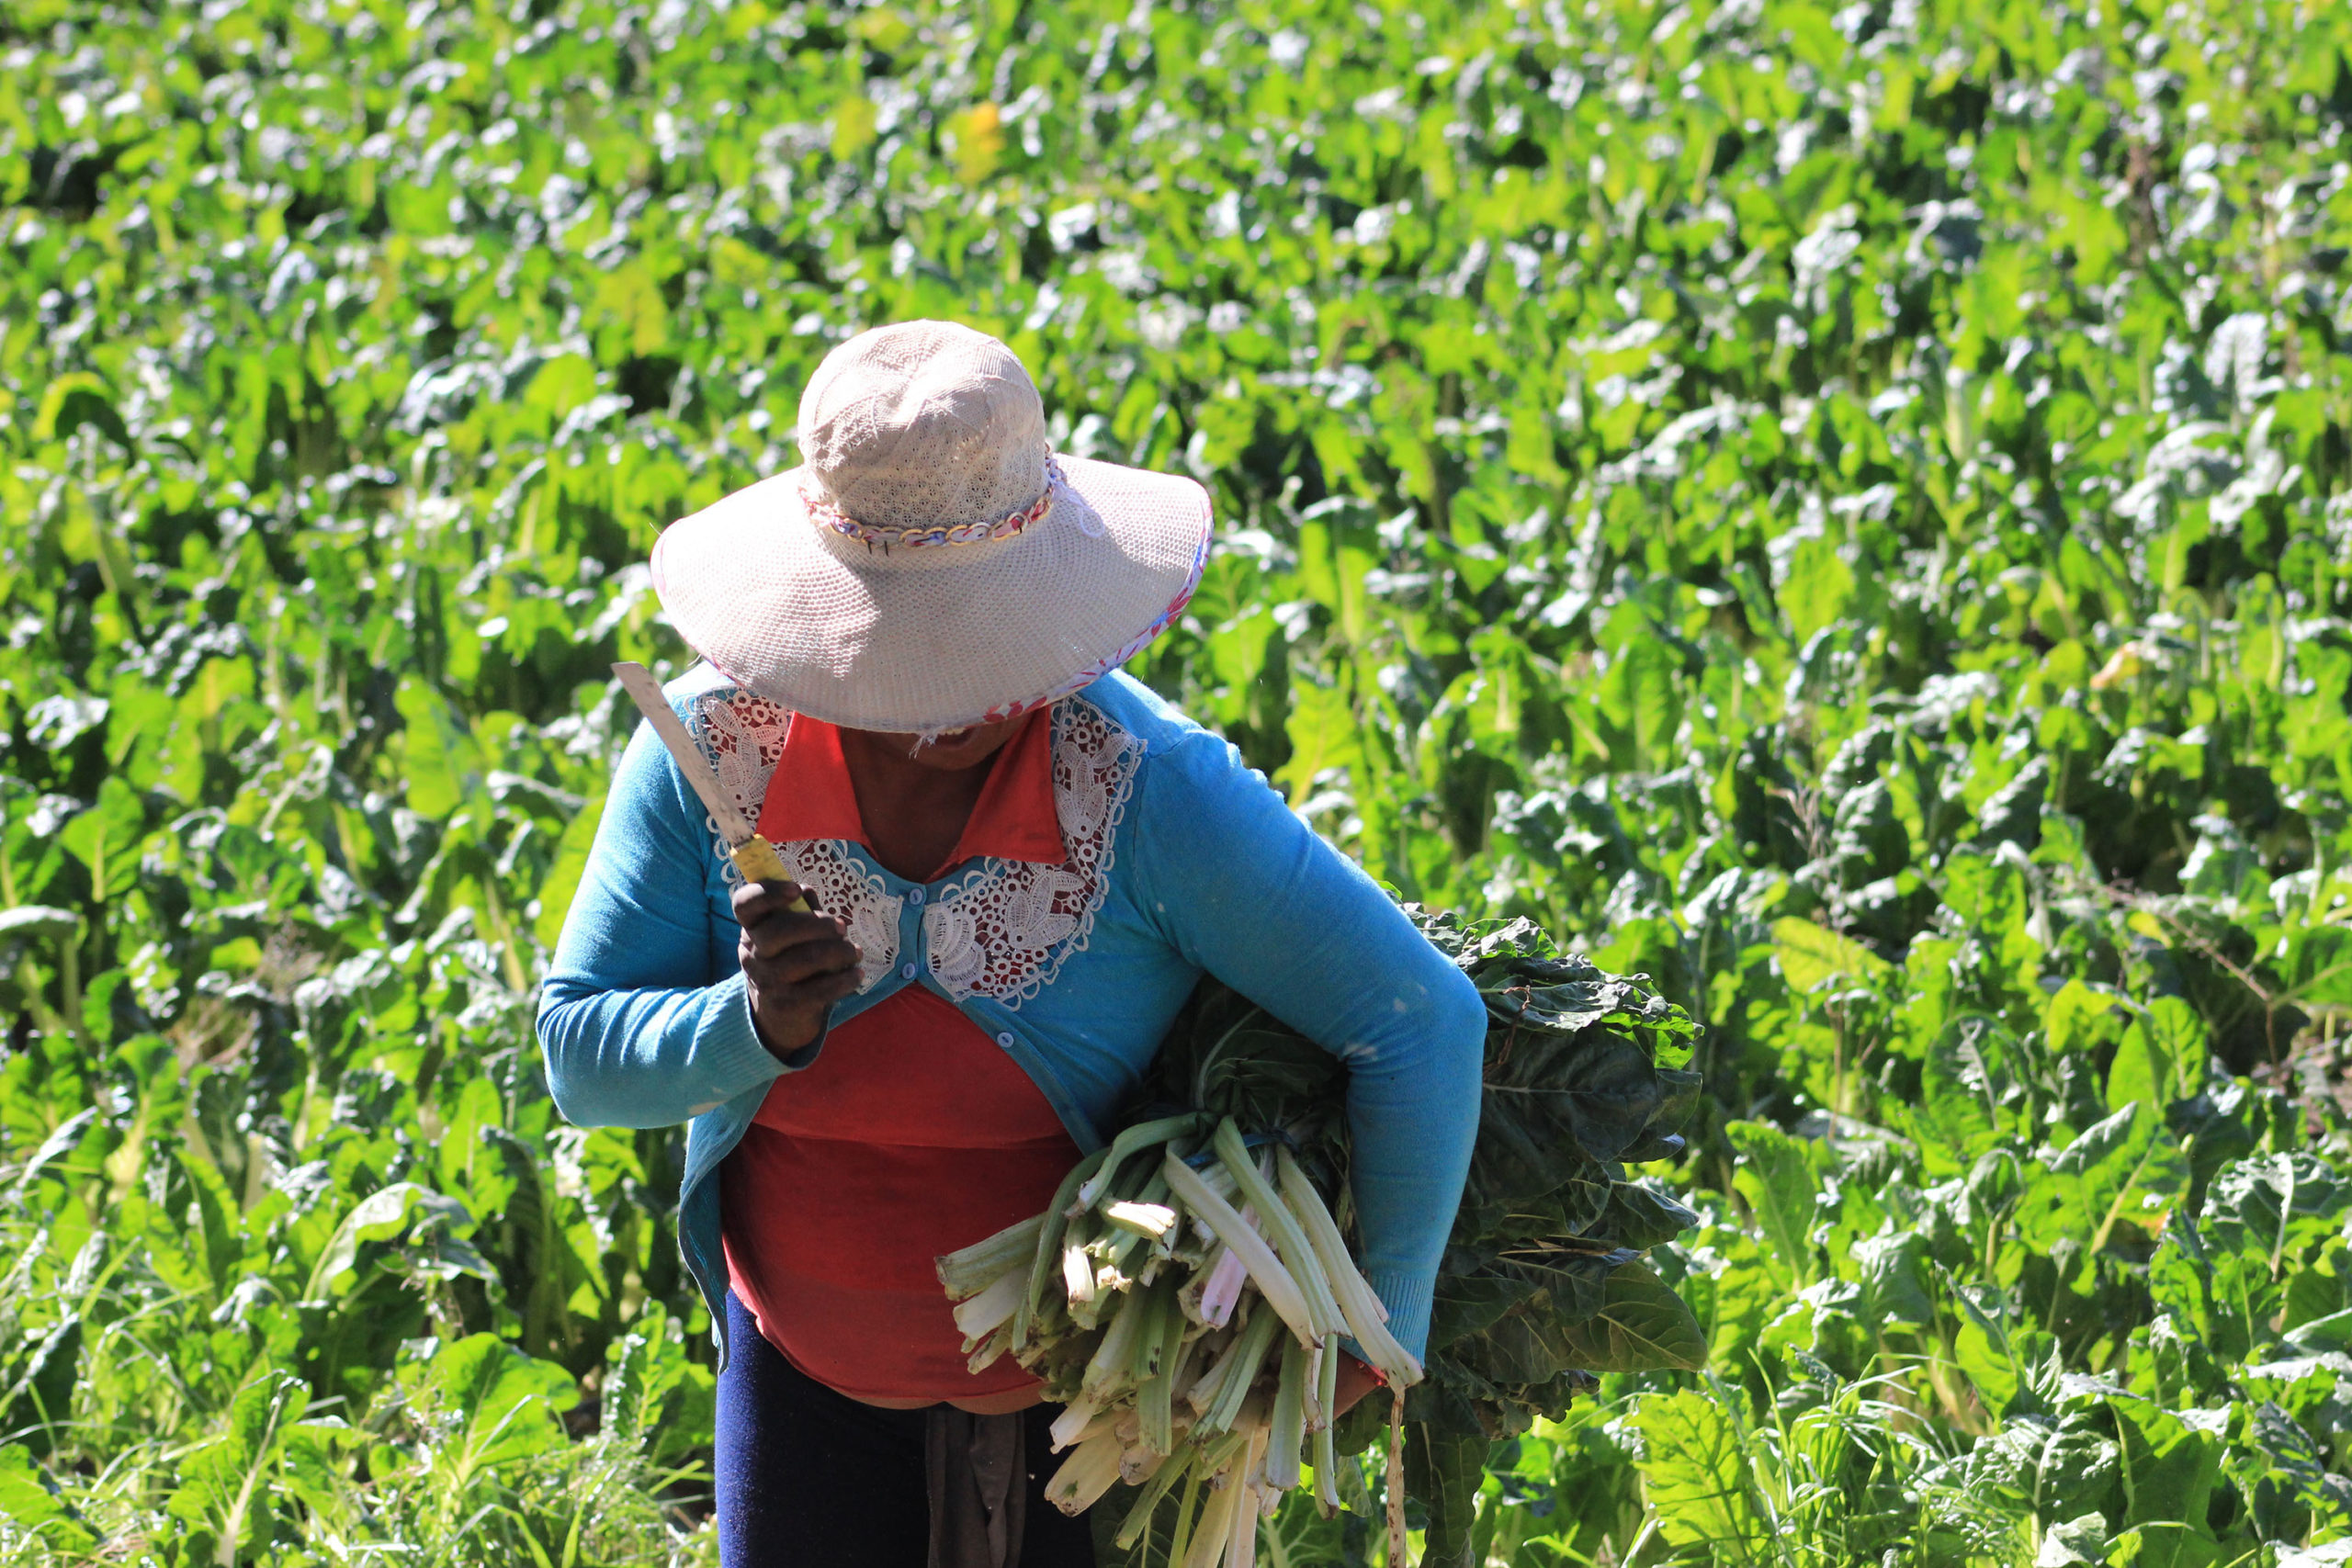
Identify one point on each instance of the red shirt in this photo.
(911, 1135)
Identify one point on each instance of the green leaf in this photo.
(1891, 1269)
(106, 838)
(2071, 1021)
(1694, 1476)
(227, 1485)
(653, 1397)
(1324, 733)
(1338, 544)
(2126, 1169)
(562, 880)
(503, 1404)
(1637, 706)
(38, 1404)
(2294, 1495)
(2170, 1470)
(437, 1221)
(2276, 1209)
(1642, 1326)
(1812, 958)
(1816, 586)
(439, 761)
(30, 1501)
(1964, 1107)
(1982, 1352)
(1778, 1176)
(73, 399)
(1444, 1471)
(38, 922)
(2161, 1058)
(2080, 1539)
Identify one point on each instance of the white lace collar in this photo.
(1002, 929)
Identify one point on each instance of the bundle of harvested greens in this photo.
(1183, 1295)
(1183, 1298)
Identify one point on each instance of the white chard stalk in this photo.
(1213, 1534)
(1367, 1319)
(972, 1269)
(1282, 1229)
(979, 1317)
(1273, 1281)
(1188, 1318)
(1089, 1472)
(1153, 1221)
(1076, 1423)
(1077, 1273)
(1327, 1457)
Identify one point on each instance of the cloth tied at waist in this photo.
(976, 1469)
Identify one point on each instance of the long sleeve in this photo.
(643, 1019)
(1246, 891)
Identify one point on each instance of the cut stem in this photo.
(981, 1315)
(1326, 1458)
(1156, 1400)
(1289, 1433)
(1150, 1220)
(1274, 1282)
(971, 1270)
(1077, 1273)
(981, 1357)
(1241, 1552)
(1089, 1472)
(1367, 1320)
(1111, 1370)
(1283, 1229)
(1049, 1247)
(1142, 1135)
(1179, 1466)
(1399, 1552)
(1240, 1372)
(1214, 1532)
(1076, 1422)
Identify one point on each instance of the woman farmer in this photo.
(1022, 860)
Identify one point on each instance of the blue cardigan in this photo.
(1182, 860)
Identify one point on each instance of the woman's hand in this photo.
(797, 965)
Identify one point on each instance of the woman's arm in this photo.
(643, 1019)
(1244, 890)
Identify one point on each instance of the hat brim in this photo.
(934, 637)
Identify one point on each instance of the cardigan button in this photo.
(907, 973)
(1005, 1041)
(915, 897)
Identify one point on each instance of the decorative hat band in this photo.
(823, 508)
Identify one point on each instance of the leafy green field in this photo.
(1845, 510)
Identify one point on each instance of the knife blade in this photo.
(752, 855)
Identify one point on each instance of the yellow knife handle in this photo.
(757, 860)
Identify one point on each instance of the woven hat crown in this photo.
(925, 425)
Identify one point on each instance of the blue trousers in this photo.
(809, 1478)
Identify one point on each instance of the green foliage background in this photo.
(1843, 510)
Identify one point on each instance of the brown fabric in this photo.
(977, 1468)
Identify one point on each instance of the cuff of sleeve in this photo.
(770, 1062)
(807, 1053)
(1406, 1297)
(729, 1046)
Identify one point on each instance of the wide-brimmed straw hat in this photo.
(932, 564)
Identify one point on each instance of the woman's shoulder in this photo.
(1177, 757)
(1155, 725)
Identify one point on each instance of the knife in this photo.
(752, 855)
